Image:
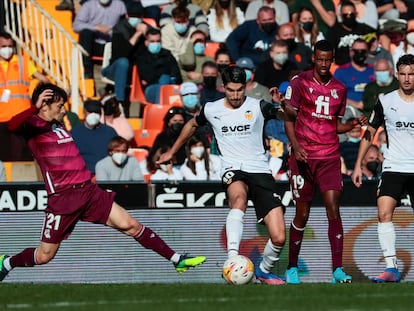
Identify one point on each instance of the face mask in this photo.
(349, 22)
(180, 28)
(269, 27)
(280, 59)
(354, 139)
(224, 3)
(105, 2)
(248, 74)
(176, 127)
(410, 38)
(154, 47)
(307, 26)
(163, 167)
(372, 166)
(197, 151)
(119, 157)
(221, 67)
(134, 21)
(210, 82)
(199, 48)
(383, 148)
(190, 101)
(93, 119)
(359, 58)
(6, 52)
(383, 77)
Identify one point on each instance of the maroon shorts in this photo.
(305, 176)
(86, 201)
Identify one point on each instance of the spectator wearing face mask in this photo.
(253, 38)
(94, 23)
(406, 46)
(356, 74)
(164, 171)
(298, 52)
(208, 89)
(277, 68)
(156, 66)
(342, 34)
(281, 8)
(199, 164)
(175, 35)
(385, 82)
(127, 40)
(118, 165)
(306, 28)
(193, 59)
(253, 88)
(174, 121)
(371, 164)
(190, 97)
(92, 137)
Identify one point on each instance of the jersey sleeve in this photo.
(201, 117)
(377, 115)
(293, 91)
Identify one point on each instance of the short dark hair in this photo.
(407, 59)
(210, 64)
(58, 93)
(233, 74)
(6, 35)
(180, 11)
(323, 45)
(152, 31)
(117, 141)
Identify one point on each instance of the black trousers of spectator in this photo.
(87, 41)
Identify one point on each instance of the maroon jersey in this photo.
(319, 106)
(53, 148)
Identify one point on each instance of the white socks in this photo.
(271, 254)
(234, 231)
(386, 237)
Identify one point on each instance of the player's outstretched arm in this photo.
(366, 141)
(187, 131)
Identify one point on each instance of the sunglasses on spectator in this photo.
(348, 15)
(359, 51)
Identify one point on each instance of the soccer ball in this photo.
(238, 270)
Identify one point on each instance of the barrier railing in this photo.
(50, 46)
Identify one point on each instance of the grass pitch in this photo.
(211, 297)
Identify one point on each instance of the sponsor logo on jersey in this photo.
(288, 94)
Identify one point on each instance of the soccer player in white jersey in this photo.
(238, 122)
(395, 111)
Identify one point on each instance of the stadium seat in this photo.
(22, 171)
(145, 138)
(150, 21)
(140, 154)
(153, 116)
(170, 95)
(137, 92)
(211, 48)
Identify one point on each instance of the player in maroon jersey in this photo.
(314, 106)
(71, 194)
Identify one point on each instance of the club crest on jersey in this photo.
(248, 115)
(334, 93)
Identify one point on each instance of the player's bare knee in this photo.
(278, 240)
(43, 257)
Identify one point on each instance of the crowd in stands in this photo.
(167, 41)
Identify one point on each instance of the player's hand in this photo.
(362, 120)
(164, 158)
(44, 97)
(141, 28)
(277, 97)
(301, 154)
(357, 176)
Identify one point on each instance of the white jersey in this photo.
(398, 118)
(239, 135)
